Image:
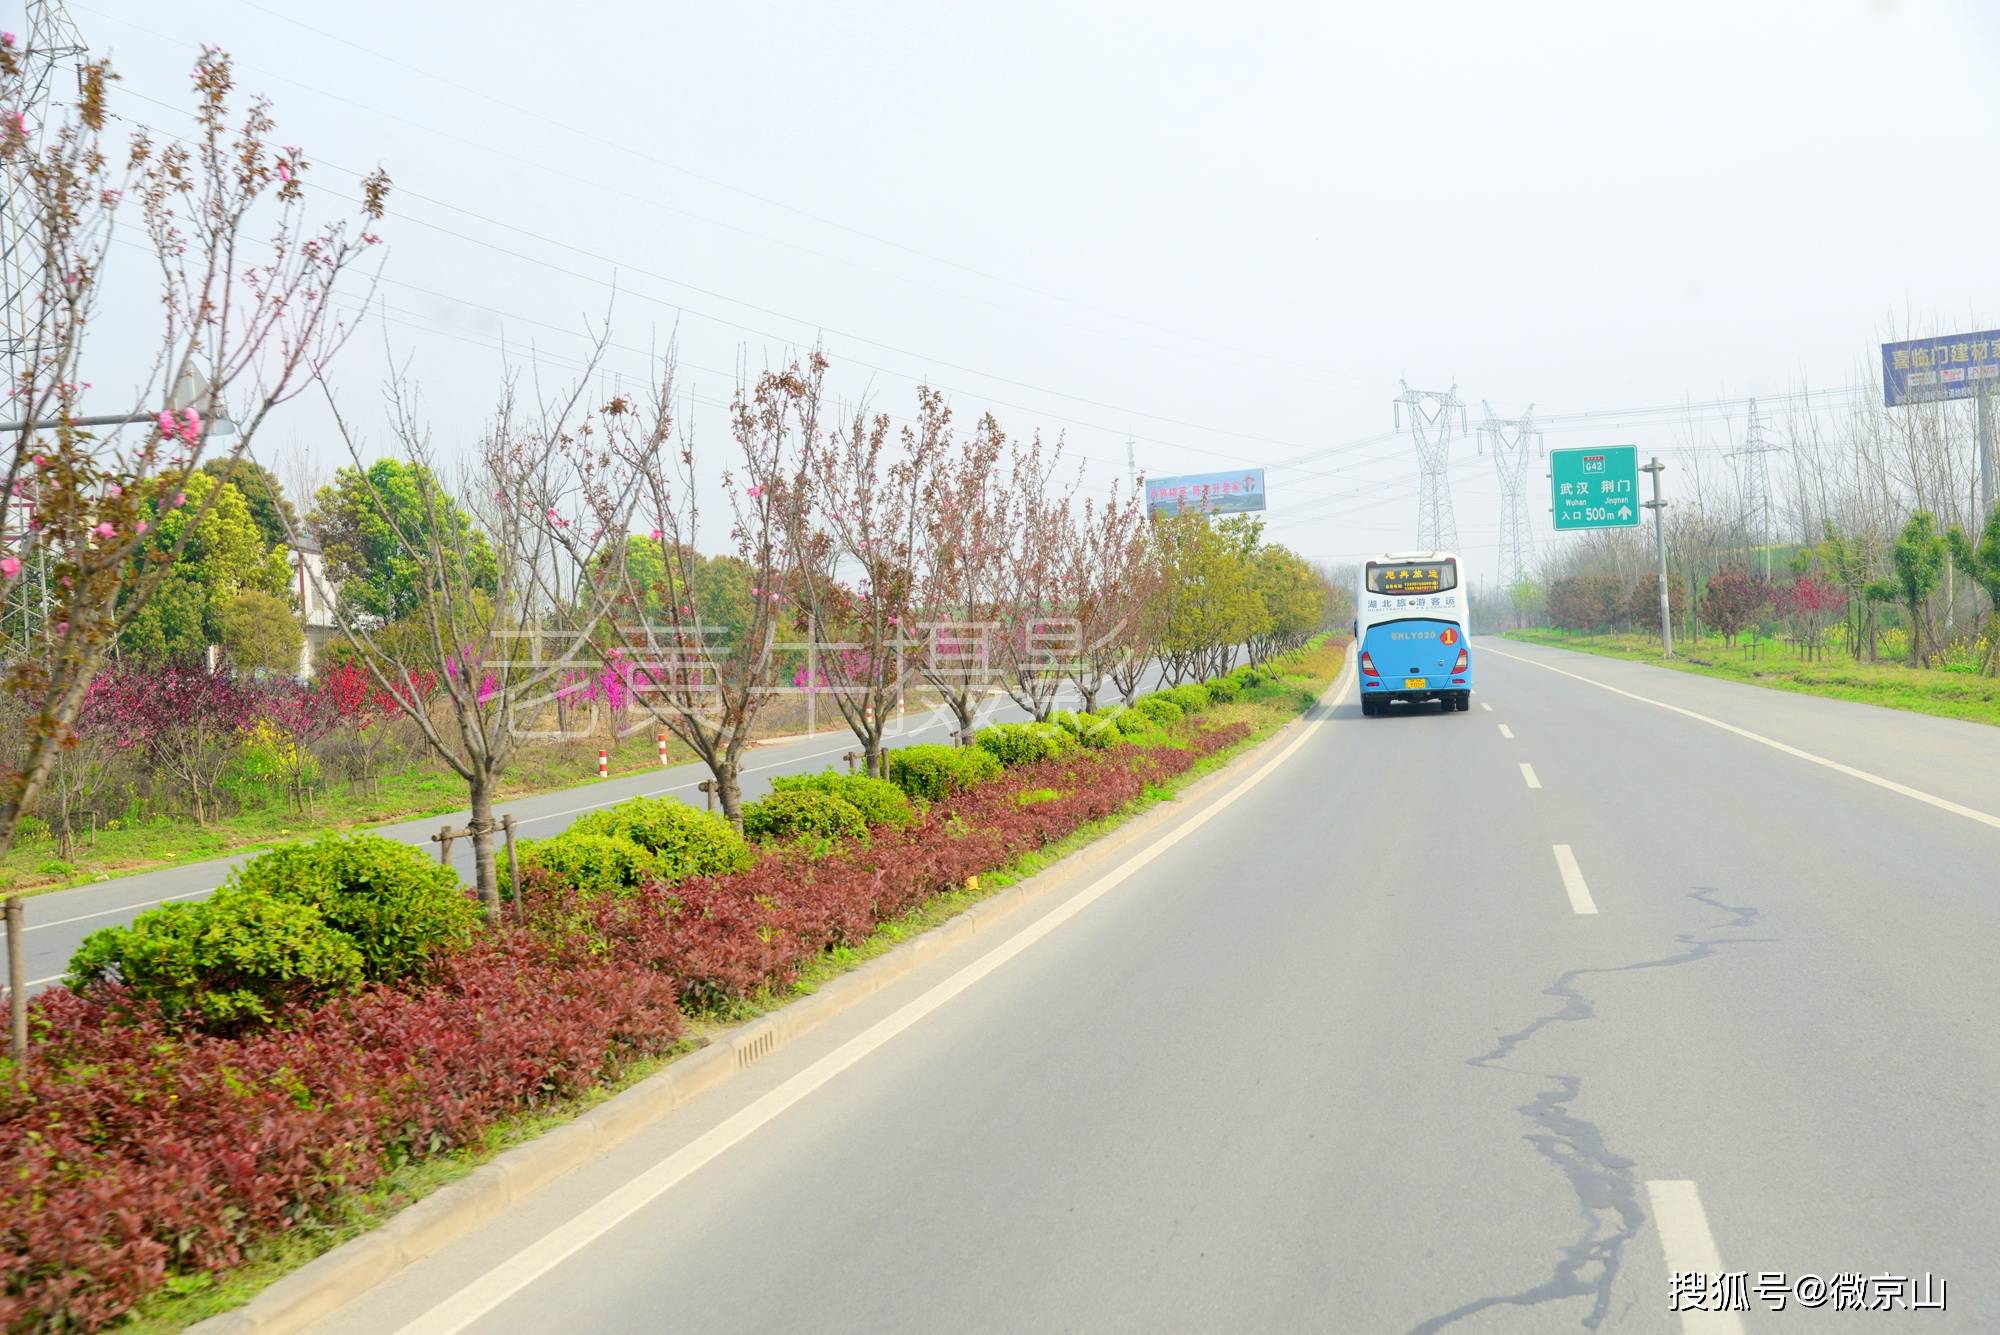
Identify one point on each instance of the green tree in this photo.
(357, 519)
(1981, 560)
(1918, 557)
(262, 492)
(260, 632)
(1210, 599)
(224, 556)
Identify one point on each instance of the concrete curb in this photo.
(321, 1286)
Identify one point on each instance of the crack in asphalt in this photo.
(1607, 1191)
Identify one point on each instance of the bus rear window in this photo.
(1413, 577)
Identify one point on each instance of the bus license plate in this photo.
(1414, 683)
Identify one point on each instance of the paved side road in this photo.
(1471, 1022)
(58, 922)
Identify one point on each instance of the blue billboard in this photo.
(1955, 366)
(1207, 493)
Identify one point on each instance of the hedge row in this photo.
(149, 1150)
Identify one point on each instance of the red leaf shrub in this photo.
(143, 1150)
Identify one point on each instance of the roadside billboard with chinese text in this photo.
(1954, 366)
(1207, 493)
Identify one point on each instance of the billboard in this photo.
(1207, 493)
(1954, 366)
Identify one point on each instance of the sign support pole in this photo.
(1987, 463)
(1659, 509)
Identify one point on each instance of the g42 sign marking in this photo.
(1595, 488)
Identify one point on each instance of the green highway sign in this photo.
(1595, 488)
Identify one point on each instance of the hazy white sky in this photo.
(1228, 233)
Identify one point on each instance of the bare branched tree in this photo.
(505, 613)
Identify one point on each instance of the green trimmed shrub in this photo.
(684, 842)
(1021, 743)
(1158, 708)
(1191, 696)
(1134, 722)
(1094, 731)
(397, 906)
(232, 961)
(932, 771)
(592, 864)
(803, 813)
(879, 801)
(1222, 690)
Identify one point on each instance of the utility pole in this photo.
(1659, 509)
(1757, 483)
(1510, 438)
(1431, 414)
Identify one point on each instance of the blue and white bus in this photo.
(1411, 615)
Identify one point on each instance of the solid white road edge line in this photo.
(1917, 794)
(1528, 773)
(517, 1272)
(1579, 893)
(1506, 731)
(1690, 1248)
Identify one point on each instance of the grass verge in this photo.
(1953, 695)
(183, 1303)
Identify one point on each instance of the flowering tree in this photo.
(301, 714)
(699, 634)
(855, 519)
(1732, 600)
(248, 327)
(1808, 606)
(553, 510)
(1040, 636)
(184, 718)
(1105, 565)
(964, 551)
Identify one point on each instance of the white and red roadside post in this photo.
(663, 750)
(603, 763)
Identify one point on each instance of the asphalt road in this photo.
(1468, 1022)
(57, 922)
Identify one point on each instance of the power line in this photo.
(431, 77)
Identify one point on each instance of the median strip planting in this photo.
(172, 1123)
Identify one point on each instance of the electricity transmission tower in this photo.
(1431, 413)
(53, 48)
(1756, 482)
(1510, 438)
(50, 56)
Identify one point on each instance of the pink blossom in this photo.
(140, 526)
(114, 491)
(6, 39)
(10, 566)
(370, 238)
(656, 535)
(753, 492)
(284, 173)
(756, 592)
(179, 499)
(107, 530)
